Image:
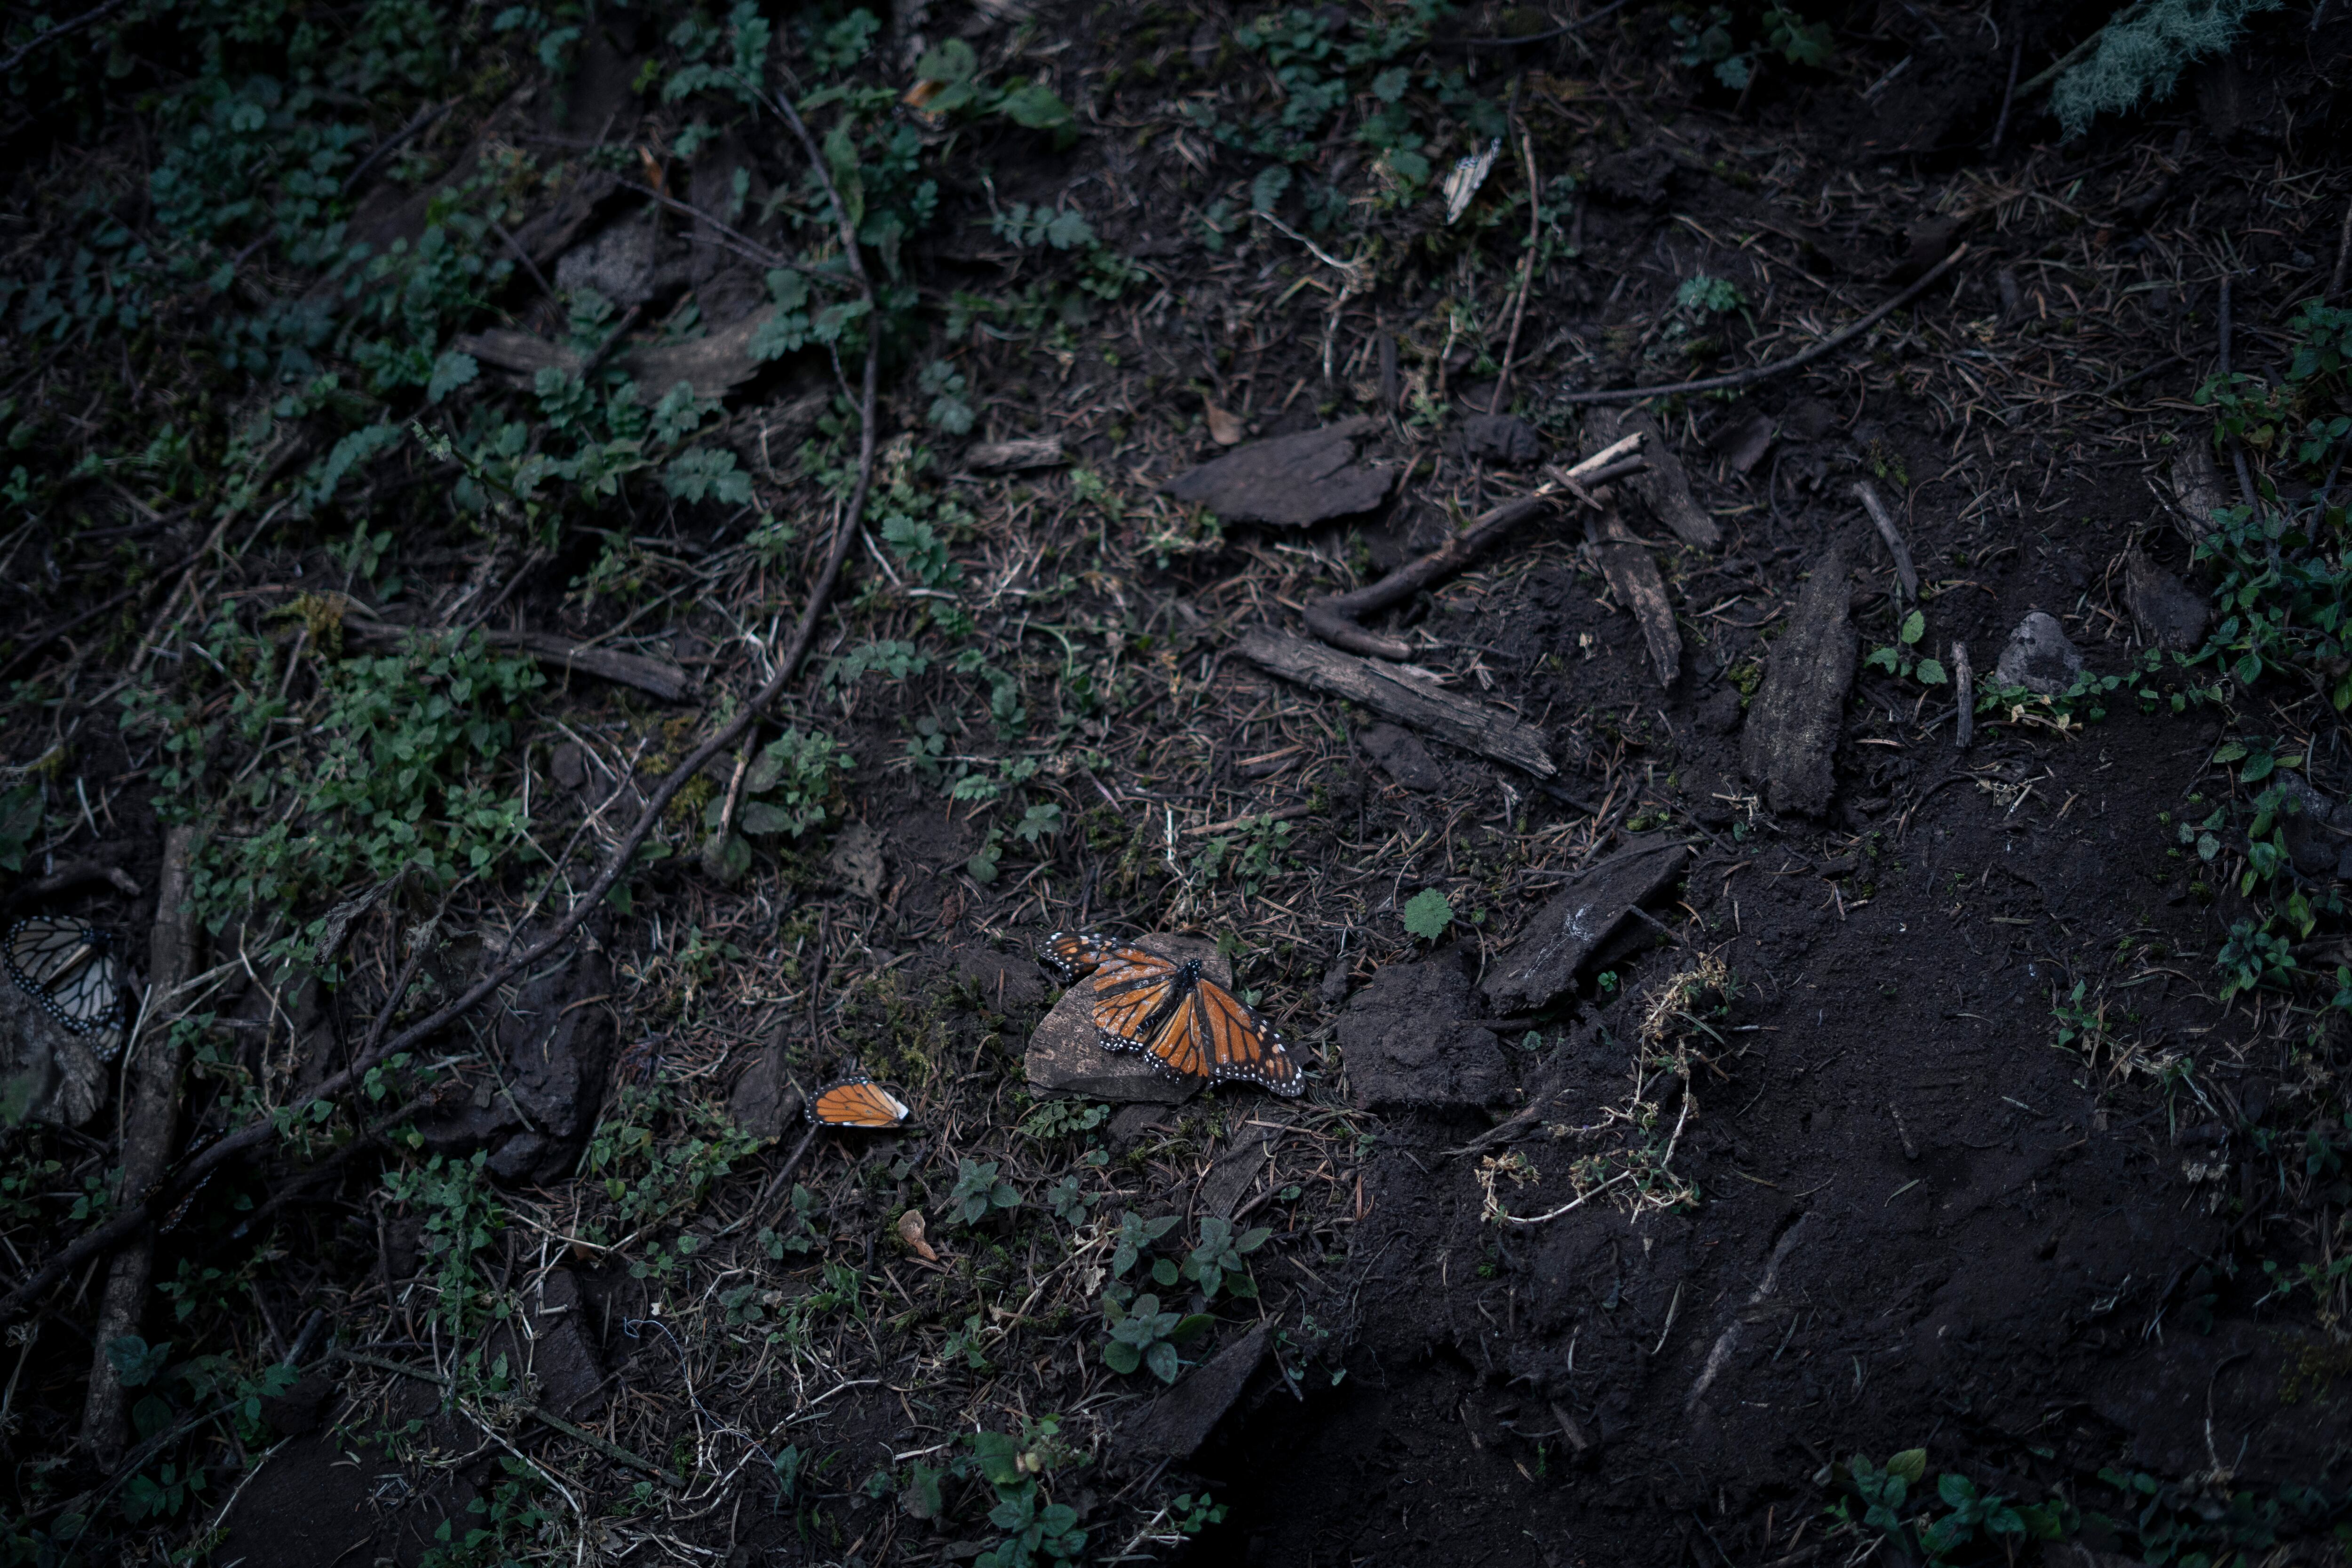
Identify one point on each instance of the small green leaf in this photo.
(1428, 913)
(1930, 672)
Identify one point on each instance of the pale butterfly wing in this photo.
(66, 967)
(1468, 173)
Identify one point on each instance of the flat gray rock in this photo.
(1292, 480)
(1065, 1058)
(1560, 943)
(2039, 657)
(1176, 1424)
(1792, 725)
(1399, 754)
(1408, 1044)
(2169, 612)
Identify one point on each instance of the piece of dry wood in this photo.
(148, 1124)
(1906, 574)
(1636, 580)
(659, 676)
(1334, 618)
(1010, 457)
(1757, 373)
(713, 364)
(1665, 489)
(1405, 695)
(1964, 683)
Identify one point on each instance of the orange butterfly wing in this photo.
(1176, 1046)
(1132, 987)
(857, 1102)
(1243, 1045)
(1074, 953)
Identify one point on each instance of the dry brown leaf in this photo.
(1224, 429)
(910, 1231)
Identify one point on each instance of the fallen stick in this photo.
(1964, 682)
(1728, 1341)
(659, 676)
(1405, 695)
(137, 1206)
(1755, 373)
(1906, 574)
(154, 1089)
(1334, 619)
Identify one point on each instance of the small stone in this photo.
(1065, 1056)
(1129, 1122)
(1409, 1048)
(1336, 976)
(1178, 1422)
(2197, 486)
(764, 1101)
(618, 263)
(2170, 614)
(1003, 980)
(1636, 177)
(1719, 712)
(1503, 438)
(1742, 443)
(47, 1074)
(1399, 754)
(300, 1409)
(552, 1352)
(1234, 1172)
(2039, 657)
(857, 859)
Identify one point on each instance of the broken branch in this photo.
(1755, 373)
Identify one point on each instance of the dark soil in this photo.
(1873, 1191)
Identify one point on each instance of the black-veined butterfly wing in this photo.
(857, 1102)
(1071, 953)
(1127, 997)
(69, 969)
(1242, 1043)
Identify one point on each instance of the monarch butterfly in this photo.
(857, 1102)
(1189, 1024)
(66, 967)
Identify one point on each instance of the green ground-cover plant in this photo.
(2197, 1523)
(400, 781)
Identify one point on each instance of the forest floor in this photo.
(424, 436)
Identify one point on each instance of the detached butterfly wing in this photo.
(1469, 173)
(857, 1102)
